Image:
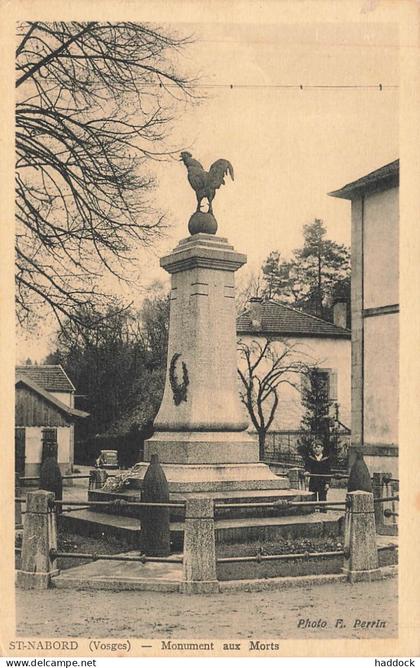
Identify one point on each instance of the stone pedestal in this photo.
(360, 552)
(199, 548)
(39, 538)
(202, 339)
(201, 438)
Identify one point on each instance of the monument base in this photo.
(202, 447)
(207, 461)
(196, 478)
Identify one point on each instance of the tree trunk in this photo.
(261, 443)
(319, 305)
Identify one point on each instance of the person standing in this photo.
(317, 466)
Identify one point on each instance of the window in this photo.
(49, 443)
(322, 381)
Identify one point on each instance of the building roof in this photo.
(25, 380)
(51, 377)
(280, 320)
(381, 179)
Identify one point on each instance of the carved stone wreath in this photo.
(179, 390)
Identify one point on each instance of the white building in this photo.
(375, 320)
(315, 342)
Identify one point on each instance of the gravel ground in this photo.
(267, 614)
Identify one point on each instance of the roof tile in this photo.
(281, 320)
(385, 176)
(51, 377)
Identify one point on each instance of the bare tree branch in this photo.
(265, 366)
(91, 112)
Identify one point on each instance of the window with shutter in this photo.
(333, 386)
(326, 382)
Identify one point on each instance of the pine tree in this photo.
(319, 420)
(314, 276)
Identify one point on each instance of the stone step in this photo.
(168, 577)
(89, 523)
(255, 495)
(122, 575)
(261, 496)
(233, 495)
(268, 529)
(228, 530)
(212, 477)
(227, 496)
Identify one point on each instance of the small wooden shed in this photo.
(44, 417)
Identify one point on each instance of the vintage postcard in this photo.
(210, 319)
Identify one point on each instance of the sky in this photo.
(289, 146)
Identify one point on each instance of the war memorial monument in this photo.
(201, 482)
(201, 434)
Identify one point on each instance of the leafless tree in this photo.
(94, 104)
(267, 364)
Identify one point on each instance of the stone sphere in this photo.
(202, 221)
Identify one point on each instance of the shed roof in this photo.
(51, 377)
(25, 380)
(380, 179)
(280, 320)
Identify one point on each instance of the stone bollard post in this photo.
(155, 521)
(199, 548)
(395, 489)
(97, 478)
(378, 492)
(360, 550)
(39, 537)
(18, 504)
(293, 475)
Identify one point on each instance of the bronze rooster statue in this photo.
(205, 183)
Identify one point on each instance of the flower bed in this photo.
(280, 568)
(72, 542)
(328, 543)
